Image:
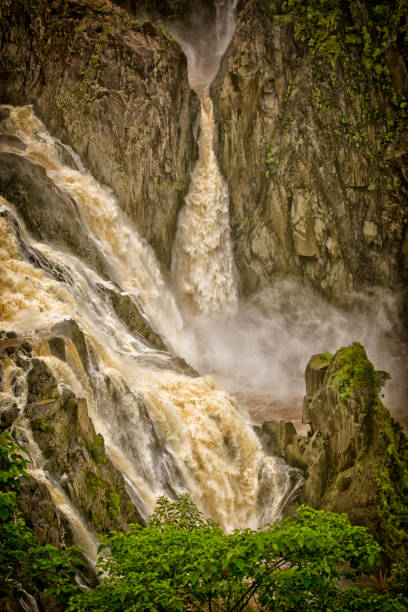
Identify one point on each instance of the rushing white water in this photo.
(203, 268)
(203, 265)
(167, 432)
(130, 261)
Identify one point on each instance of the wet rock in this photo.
(12, 141)
(276, 436)
(117, 92)
(48, 523)
(41, 383)
(26, 348)
(57, 347)
(9, 410)
(132, 314)
(4, 113)
(70, 329)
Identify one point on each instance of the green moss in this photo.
(112, 503)
(98, 450)
(93, 483)
(322, 360)
(392, 482)
(355, 38)
(353, 374)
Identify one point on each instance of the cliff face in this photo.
(116, 90)
(316, 190)
(355, 456)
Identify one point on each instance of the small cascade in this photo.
(83, 537)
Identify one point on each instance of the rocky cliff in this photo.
(355, 456)
(53, 423)
(113, 88)
(309, 143)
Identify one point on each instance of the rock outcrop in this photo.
(355, 457)
(116, 90)
(42, 411)
(316, 189)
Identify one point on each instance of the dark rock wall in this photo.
(314, 190)
(116, 90)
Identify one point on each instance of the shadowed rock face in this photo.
(314, 192)
(116, 90)
(49, 214)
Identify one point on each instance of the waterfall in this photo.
(202, 267)
(165, 430)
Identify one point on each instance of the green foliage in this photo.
(24, 563)
(392, 483)
(272, 164)
(353, 374)
(338, 30)
(113, 504)
(12, 470)
(183, 561)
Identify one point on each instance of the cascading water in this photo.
(164, 429)
(167, 432)
(203, 269)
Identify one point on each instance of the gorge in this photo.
(191, 205)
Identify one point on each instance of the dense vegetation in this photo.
(27, 566)
(183, 561)
(367, 40)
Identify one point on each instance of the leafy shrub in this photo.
(25, 564)
(183, 561)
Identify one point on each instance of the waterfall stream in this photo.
(165, 430)
(203, 268)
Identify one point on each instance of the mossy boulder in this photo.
(355, 457)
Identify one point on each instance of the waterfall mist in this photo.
(204, 37)
(260, 353)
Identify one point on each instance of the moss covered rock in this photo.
(363, 453)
